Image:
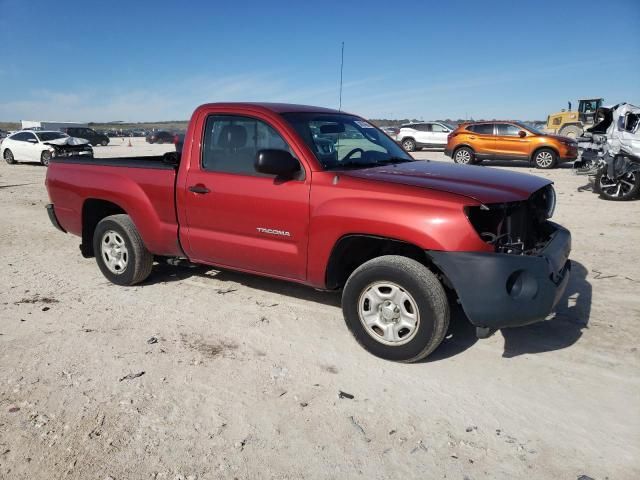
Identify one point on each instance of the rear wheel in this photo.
(464, 156)
(8, 157)
(409, 144)
(624, 188)
(545, 158)
(45, 158)
(396, 308)
(120, 253)
(104, 143)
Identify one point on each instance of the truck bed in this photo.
(156, 162)
(144, 187)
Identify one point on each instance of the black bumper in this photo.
(53, 218)
(447, 152)
(500, 290)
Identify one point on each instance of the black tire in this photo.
(8, 157)
(422, 286)
(571, 131)
(464, 156)
(545, 158)
(409, 144)
(624, 188)
(139, 261)
(45, 158)
(104, 143)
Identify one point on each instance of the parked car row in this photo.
(160, 137)
(41, 146)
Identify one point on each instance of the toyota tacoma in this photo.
(324, 198)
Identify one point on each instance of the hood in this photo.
(67, 141)
(483, 184)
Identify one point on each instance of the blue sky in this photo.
(137, 61)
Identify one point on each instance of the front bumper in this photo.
(54, 220)
(499, 290)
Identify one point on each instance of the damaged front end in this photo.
(522, 280)
(519, 228)
(609, 152)
(70, 147)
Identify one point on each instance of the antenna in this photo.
(341, 68)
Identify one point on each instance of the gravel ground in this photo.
(210, 374)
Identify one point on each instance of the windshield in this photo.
(46, 136)
(344, 141)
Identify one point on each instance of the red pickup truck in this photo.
(324, 198)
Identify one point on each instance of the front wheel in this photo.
(104, 143)
(120, 252)
(623, 188)
(8, 157)
(545, 158)
(396, 308)
(45, 158)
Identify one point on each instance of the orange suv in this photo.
(473, 142)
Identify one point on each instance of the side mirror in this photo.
(276, 162)
(522, 134)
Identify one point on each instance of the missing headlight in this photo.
(518, 228)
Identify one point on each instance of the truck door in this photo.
(240, 218)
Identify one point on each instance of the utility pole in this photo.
(341, 68)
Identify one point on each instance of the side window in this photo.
(231, 144)
(20, 137)
(436, 127)
(482, 128)
(424, 127)
(506, 129)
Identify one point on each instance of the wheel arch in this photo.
(543, 147)
(461, 145)
(94, 210)
(352, 250)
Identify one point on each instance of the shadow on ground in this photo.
(163, 273)
(571, 316)
(563, 330)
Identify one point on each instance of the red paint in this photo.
(420, 203)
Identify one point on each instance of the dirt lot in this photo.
(241, 376)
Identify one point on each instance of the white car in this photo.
(414, 136)
(42, 146)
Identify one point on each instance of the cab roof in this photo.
(275, 107)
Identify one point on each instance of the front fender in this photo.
(436, 224)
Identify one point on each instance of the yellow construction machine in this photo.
(569, 123)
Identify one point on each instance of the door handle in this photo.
(472, 137)
(199, 188)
